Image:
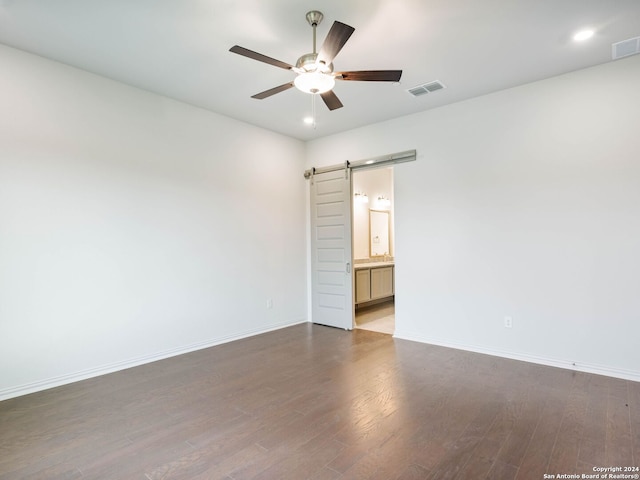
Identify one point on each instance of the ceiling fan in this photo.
(315, 70)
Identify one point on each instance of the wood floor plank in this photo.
(634, 418)
(324, 404)
(564, 457)
(414, 472)
(535, 461)
(480, 461)
(619, 442)
(325, 474)
(348, 457)
(529, 413)
(307, 460)
(390, 458)
(454, 460)
(594, 436)
(199, 466)
(61, 471)
(484, 455)
(503, 471)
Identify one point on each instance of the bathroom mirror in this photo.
(378, 233)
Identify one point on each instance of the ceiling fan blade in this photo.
(272, 91)
(245, 52)
(371, 75)
(336, 38)
(331, 100)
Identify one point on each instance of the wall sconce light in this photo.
(383, 201)
(361, 197)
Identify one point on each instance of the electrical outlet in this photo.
(508, 322)
(269, 303)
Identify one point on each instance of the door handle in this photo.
(348, 267)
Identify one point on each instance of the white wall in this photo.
(524, 203)
(134, 227)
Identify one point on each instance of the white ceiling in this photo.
(179, 48)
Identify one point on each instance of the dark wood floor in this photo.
(321, 403)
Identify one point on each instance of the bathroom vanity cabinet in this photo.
(373, 281)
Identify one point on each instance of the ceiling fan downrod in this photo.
(314, 18)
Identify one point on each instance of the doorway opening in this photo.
(335, 271)
(374, 250)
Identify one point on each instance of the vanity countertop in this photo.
(359, 266)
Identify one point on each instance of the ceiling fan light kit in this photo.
(314, 70)
(314, 82)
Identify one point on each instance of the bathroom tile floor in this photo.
(377, 318)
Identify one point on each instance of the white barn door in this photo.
(331, 280)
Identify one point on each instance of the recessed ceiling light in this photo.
(583, 35)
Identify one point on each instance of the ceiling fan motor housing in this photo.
(309, 63)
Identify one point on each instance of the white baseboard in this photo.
(45, 384)
(551, 362)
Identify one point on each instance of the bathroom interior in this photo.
(373, 250)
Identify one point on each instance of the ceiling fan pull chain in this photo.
(313, 110)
